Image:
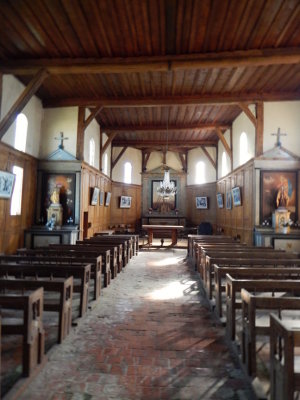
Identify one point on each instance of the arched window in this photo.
(16, 199)
(224, 164)
(105, 164)
(21, 132)
(244, 156)
(127, 172)
(200, 172)
(92, 152)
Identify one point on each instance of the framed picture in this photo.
(159, 203)
(236, 195)
(95, 195)
(101, 198)
(125, 202)
(7, 181)
(220, 200)
(278, 189)
(201, 202)
(228, 201)
(107, 200)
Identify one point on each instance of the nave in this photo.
(151, 336)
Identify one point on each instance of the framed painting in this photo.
(236, 195)
(101, 198)
(159, 203)
(95, 195)
(7, 180)
(201, 202)
(278, 189)
(220, 200)
(107, 200)
(125, 202)
(66, 185)
(228, 201)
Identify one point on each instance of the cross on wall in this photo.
(61, 138)
(278, 134)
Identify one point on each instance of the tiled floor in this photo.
(151, 336)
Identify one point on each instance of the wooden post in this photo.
(101, 152)
(80, 134)
(259, 133)
(231, 146)
(1, 87)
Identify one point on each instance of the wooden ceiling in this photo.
(181, 66)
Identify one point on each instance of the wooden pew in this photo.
(115, 248)
(222, 257)
(251, 327)
(63, 305)
(50, 256)
(285, 372)
(234, 287)
(127, 245)
(133, 243)
(30, 327)
(193, 239)
(80, 272)
(246, 268)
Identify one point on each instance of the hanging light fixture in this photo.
(166, 188)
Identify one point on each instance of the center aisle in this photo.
(151, 336)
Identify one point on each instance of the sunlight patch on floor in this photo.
(173, 290)
(165, 261)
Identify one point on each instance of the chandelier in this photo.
(166, 188)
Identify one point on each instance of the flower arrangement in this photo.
(150, 210)
(176, 211)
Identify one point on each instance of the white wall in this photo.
(92, 132)
(222, 150)
(156, 160)
(56, 120)
(286, 116)
(196, 155)
(133, 156)
(12, 88)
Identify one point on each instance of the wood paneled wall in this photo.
(196, 216)
(97, 217)
(239, 220)
(130, 215)
(12, 227)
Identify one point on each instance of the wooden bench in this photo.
(63, 305)
(126, 245)
(234, 287)
(115, 248)
(193, 239)
(133, 242)
(30, 327)
(245, 269)
(285, 371)
(79, 272)
(252, 326)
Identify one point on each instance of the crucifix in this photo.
(278, 134)
(61, 138)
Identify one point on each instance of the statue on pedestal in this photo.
(282, 198)
(55, 211)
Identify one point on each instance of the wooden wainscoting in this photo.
(12, 227)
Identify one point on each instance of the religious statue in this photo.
(55, 196)
(282, 198)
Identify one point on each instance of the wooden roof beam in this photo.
(212, 161)
(114, 163)
(154, 128)
(195, 100)
(225, 144)
(229, 59)
(145, 158)
(245, 108)
(183, 159)
(94, 112)
(23, 99)
(143, 144)
(108, 142)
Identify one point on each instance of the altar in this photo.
(162, 231)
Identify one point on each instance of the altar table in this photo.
(171, 230)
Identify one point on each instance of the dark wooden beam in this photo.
(1, 86)
(248, 112)
(201, 99)
(23, 99)
(162, 128)
(212, 161)
(145, 158)
(114, 163)
(164, 157)
(225, 144)
(229, 59)
(259, 133)
(92, 115)
(80, 133)
(108, 142)
(231, 146)
(101, 151)
(183, 159)
(158, 143)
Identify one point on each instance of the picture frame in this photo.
(125, 202)
(95, 195)
(228, 201)
(220, 200)
(101, 198)
(236, 196)
(107, 199)
(201, 202)
(7, 181)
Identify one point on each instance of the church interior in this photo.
(149, 199)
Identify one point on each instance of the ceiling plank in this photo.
(23, 99)
(147, 128)
(212, 161)
(108, 142)
(225, 144)
(209, 99)
(232, 59)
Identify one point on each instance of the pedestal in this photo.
(55, 211)
(280, 218)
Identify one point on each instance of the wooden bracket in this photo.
(145, 159)
(114, 163)
(212, 161)
(92, 115)
(164, 157)
(23, 99)
(183, 159)
(244, 107)
(108, 142)
(225, 144)
(258, 122)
